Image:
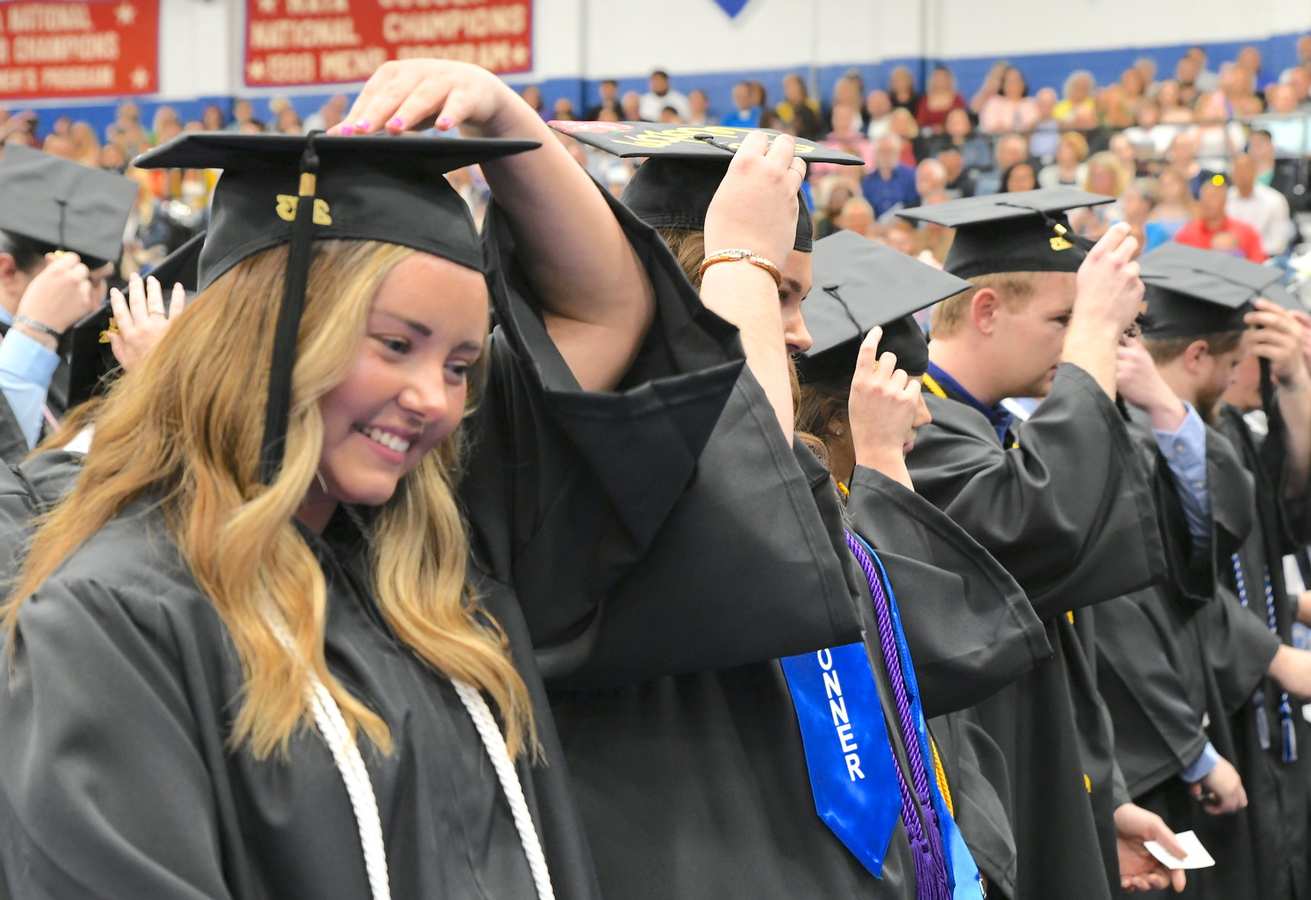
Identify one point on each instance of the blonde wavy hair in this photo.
(188, 436)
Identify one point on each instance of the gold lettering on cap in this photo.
(289, 203)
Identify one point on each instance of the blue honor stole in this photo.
(859, 792)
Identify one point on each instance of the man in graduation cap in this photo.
(61, 230)
(1060, 501)
(1210, 317)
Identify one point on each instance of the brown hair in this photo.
(1164, 350)
(1014, 288)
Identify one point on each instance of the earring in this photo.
(323, 485)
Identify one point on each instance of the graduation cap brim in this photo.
(181, 266)
(860, 284)
(690, 142)
(1023, 231)
(64, 204)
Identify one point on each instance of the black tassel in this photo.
(278, 410)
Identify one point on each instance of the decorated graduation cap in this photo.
(1192, 292)
(92, 366)
(858, 284)
(291, 189)
(64, 205)
(1023, 231)
(685, 164)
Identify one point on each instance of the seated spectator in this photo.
(1249, 60)
(1133, 87)
(1182, 157)
(959, 181)
(798, 112)
(891, 184)
(878, 114)
(1174, 202)
(1019, 177)
(931, 182)
(1010, 150)
(699, 101)
(1238, 85)
(212, 118)
(989, 87)
(86, 146)
(1145, 66)
(669, 116)
(329, 115)
(1012, 109)
(1206, 79)
(901, 89)
(940, 99)
(1068, 169)
(850, 90)
(563, 109)
(132, 134)
(831, 194)
(630, 105)
(1078, 93)
(607, 98)
(659, 96)
(1086, 122)
(902, 124)
(1115, 109)
(745, 114)
(1217, 138)
(1262, 207)
(900, 236)
(1174, 111)
(1121, 149)
(1105, 176)
(768, 118)
(1285, 123)
(1303, 57)
(532, 95)
(1215, 229)
(112, 158)
(1135, 208)
(1261, 148)
(1148, 136)
(857, 215)
(58, 145)
(1046, 133)
(847, 137)
(1185, 77)
(975, 151)
(1300, 81)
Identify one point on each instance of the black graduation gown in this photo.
(13, 446)
(1064, 514)
(1156, 677)
(1277, 791)
(133, 791)
(695, 785)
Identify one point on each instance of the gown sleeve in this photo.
(104, 791)
(970, 628)
(568, 491)
(1073, 487)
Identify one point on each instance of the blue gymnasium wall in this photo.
(1045, 69)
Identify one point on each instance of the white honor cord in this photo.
(350, 764)
(494, 742)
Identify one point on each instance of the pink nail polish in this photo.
(363, 125)
(396, 124)
(444, 123)
(347, 130)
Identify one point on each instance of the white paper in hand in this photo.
(1196, 858)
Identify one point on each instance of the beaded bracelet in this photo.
(721, 256)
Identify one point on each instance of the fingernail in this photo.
(347, 130)
(362, 125)
(396, 123)
(444, 123)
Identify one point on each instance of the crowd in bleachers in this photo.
(1217, 156)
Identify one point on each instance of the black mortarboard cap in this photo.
(1023, 231)
(685, 165)
(64, 204)
(858, 284)
(1193, 292)
(291, 189)
(92, 366)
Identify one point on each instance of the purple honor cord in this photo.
(922, 827)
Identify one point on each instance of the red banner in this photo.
(293, 42)
(79, 49)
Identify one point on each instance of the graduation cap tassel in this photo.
(278, 410)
